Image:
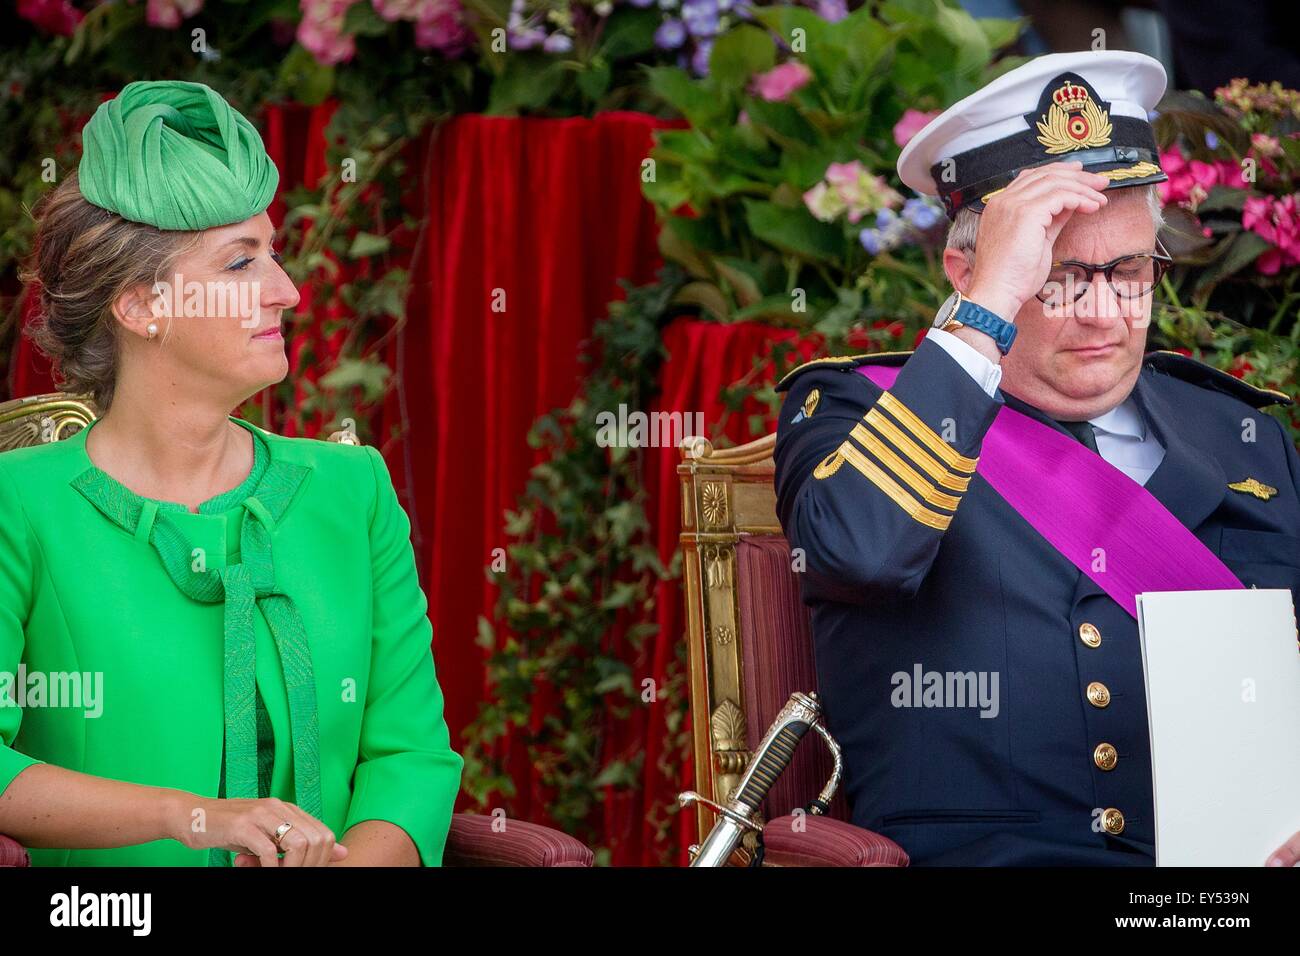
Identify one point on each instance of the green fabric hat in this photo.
(175, 155)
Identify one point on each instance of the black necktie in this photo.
(1083, 432)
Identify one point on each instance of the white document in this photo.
(1223, 704)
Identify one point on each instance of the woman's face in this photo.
(220, 312)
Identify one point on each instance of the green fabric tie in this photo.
(242, 587)
(175, 155)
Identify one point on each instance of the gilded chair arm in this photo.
(823, 841)
(12, 852)
(472, 841)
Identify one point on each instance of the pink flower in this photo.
(823, 202)
(440, 25)
(393, 10)
(849, 187)
(168, 14)
(1277, 222)
(911, 123)
(52, 16)
(780, 81)
(1190, 181)
(1265, 145)
(321, 31)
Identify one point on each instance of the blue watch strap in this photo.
(975, 316)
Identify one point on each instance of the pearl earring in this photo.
(152, 329)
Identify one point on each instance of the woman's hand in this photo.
(247, 829)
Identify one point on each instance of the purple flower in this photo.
(921, 214)
(1211, 140)
(832, 11)
(885, 218)
(670, 35)
(700, 58)
(871, 241)
(557, 43)
(527, 38)
(701, 17)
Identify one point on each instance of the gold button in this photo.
(1089, 634)
(1112, 820)
(1098, 694)
(1105, 757)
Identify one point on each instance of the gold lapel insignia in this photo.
(1252, 486)
(1073, 121)
(810, 402)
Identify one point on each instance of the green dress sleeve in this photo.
(16, 572)
(407, 772)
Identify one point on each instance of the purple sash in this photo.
(1107, 525)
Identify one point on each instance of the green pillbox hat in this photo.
(175, 155)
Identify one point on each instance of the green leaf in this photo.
(742, 277)
(362, 20)
(676, 249)
(701, 233)
(794, 230)
(527, 82)
(308, 82)
(706, 296)
(692, 98)
(960, 28)
(782, 121)
(741, 53)
(367, 244)
(798, 27)
(594, 81)
(370, 375)
(1223, 199)
(1242, 250)
(1001, 32)
(629, 32)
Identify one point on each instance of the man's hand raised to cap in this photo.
(1018, 229)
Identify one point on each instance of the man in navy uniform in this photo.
(916, 565)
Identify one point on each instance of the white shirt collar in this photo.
(1123, 419)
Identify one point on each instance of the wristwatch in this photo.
(957, 310)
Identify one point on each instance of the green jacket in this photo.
(123, 671)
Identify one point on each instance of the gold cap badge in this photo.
(1252, 486)
(810, 402)
(1073, 121)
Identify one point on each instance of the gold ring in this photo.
(280, 831)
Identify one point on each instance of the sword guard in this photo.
(689, 797)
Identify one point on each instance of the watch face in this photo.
(946, 310)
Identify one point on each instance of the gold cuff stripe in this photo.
(915, 452)
(928, 492)
(928, 436)
(849, 452)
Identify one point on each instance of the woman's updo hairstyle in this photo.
(83, 259)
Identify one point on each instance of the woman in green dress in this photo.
(214, 647)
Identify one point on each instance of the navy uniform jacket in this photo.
(900, 587)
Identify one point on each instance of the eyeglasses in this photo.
(1129, 277)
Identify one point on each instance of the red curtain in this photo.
(531, 223)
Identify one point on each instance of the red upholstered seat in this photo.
(778, 660)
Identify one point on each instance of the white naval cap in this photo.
(1091, 106)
